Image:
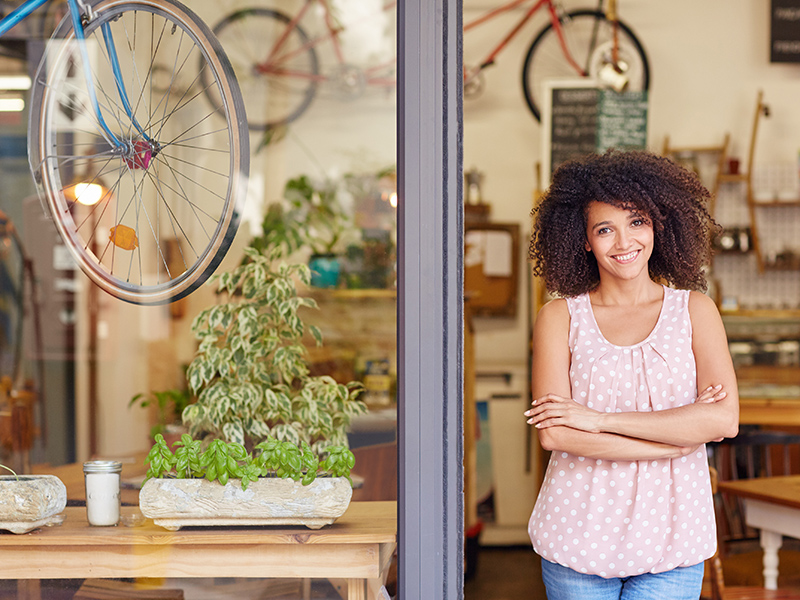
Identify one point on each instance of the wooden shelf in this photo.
(732, 178)
(361, 294)
(774, 203)
(778, 269)
(762, 313)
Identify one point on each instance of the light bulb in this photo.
(88, 194)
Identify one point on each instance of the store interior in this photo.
(84, 363)
(698, 98)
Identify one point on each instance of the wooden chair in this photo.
(716, 579)
(377, 464)
(753, 453)
(110, 589)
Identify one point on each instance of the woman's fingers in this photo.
(711, 394)
(551, 410)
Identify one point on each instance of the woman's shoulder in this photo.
(699, 302)
(554, 313)
(703, 310)
(554, 309)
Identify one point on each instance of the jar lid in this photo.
(102, 466)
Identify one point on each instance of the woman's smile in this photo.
(627, 258)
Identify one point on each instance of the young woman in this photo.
(631, 377)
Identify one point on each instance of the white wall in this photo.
(707, 59)
(142, 348)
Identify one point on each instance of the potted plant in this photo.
(314, 215)
(277, 483)
(169, 405)
(258, 413)
(30, 501)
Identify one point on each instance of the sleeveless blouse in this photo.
(623, 518)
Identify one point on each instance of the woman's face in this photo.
(620, 239)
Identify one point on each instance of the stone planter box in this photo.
(31, 501)
(175, 503)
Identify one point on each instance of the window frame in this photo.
(430, 300)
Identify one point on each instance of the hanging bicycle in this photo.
(144, 181)
(278, 63)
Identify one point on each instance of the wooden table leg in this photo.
(355, 589)
(771, 542)
(29, 589)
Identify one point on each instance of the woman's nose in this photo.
(623, 239)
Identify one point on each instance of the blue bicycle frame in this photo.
(21, 12)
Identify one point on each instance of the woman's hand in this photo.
(551, 410)
(713, 393)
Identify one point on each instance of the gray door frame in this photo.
(430, 301)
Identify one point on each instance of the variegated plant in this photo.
(250, 373)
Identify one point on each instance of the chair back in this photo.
(377, 464)
(751, 454)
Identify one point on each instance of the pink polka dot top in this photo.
(621, 518)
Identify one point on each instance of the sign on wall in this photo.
(785, 31)
(579, 117)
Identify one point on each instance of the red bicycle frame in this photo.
(556, 22)
(270, 65)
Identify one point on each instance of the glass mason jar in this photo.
(102, 491)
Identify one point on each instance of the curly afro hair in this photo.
(671, 197)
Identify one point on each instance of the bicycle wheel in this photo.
(276, 67)
(589, 37)
(173, 188)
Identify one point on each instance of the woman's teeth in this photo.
(626, 257)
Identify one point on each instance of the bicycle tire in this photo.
(275, 92)
(545, 59)
(176, 192)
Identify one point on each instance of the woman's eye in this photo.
(603, 230)
(637, 222)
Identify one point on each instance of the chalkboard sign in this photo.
(579, 117)
(621, 120)
(785, 31)
(573, 130)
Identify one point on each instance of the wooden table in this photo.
(357, 548)
(769, 411)
(772, 504)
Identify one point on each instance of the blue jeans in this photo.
(562, 583)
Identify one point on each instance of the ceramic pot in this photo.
(173, 503)
(324, 270)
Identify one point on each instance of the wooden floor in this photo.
(506, 573)
(514, 573)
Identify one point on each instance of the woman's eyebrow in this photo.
(600, 224)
